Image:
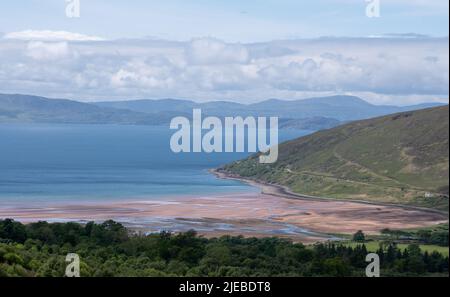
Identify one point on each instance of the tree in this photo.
(359, 236)
(15, 231)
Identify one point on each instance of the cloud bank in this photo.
(392, 70)
(47, 35)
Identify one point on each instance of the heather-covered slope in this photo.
(401, 158)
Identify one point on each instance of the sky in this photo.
(228, 20)
(245, 51)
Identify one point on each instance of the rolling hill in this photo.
(401, 158)
(25, 109)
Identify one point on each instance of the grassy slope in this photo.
(396, 158)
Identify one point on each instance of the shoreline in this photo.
(270, 212)
(284, 192)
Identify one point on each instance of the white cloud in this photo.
(47, 35)
(384, 70)
(39, 50)
(213, 51)
(144, 74)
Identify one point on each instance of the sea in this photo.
(41, 163)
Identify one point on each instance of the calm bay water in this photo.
(58, 163)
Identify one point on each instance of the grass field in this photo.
(373, 246)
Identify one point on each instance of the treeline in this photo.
(109, 249)
(437, 236)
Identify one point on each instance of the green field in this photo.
(373, 246)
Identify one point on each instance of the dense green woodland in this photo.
(109, 249)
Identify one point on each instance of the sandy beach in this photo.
(272, 212)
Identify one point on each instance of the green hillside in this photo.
(401, 158)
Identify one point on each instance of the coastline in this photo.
(273, 211)
(284, 192)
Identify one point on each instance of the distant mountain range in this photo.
(312, 114)
(341, 108)
(26, 109)
(400, 158)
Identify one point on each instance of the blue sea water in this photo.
(52, 163)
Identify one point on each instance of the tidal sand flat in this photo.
(248, 214)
